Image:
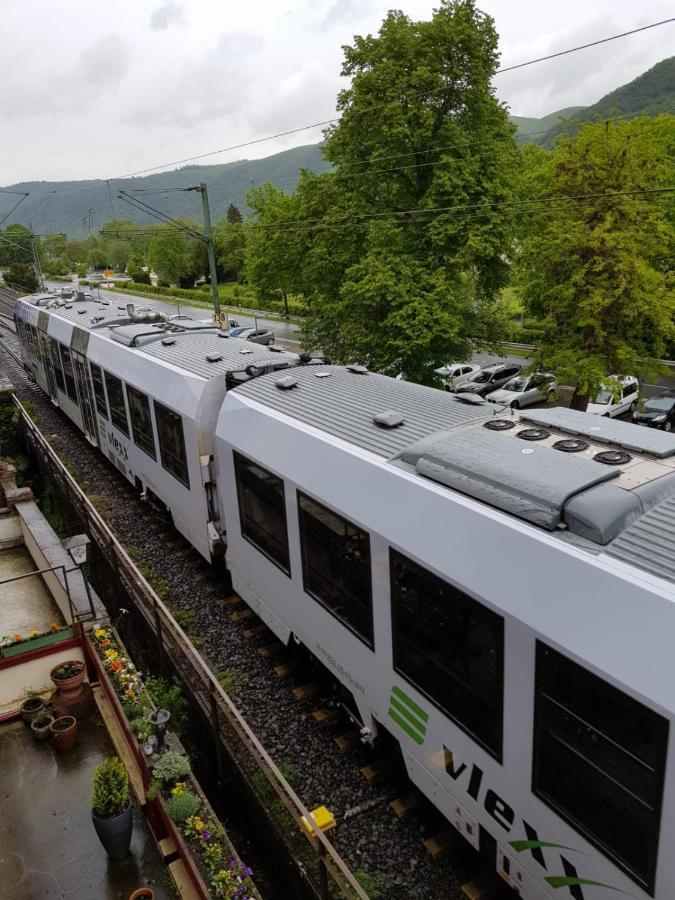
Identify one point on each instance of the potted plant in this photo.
(142, 893)
(31, 707)
(64, 732)
(68, 677)
(111, 811)
(40, 726)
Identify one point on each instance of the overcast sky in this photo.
(93, 89)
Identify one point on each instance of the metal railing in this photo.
(75, 616)
(315, 856)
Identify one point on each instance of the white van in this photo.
(608, 403)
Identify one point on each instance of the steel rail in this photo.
(163, 624)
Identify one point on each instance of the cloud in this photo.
(345, 11)
(195, 91)
(169, 13)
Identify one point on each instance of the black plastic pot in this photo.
(115, 833)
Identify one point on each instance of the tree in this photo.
(233, 215)
(410, 151)
(273, 258)
(229, 242)
(21, 277)
(599, 271)
(16, 245)
(169, 255)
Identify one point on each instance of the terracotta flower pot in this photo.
(64, 732)
(31, 708)
(70, 682)
(41, 726)
(143, 893)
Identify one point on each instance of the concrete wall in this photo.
(18, 679)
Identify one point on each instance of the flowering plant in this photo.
(233, 881)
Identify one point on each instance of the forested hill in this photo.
(649, 94)
(60, 206)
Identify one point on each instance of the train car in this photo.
(495, 592)
(146, 390)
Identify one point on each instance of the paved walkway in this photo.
(48, 846)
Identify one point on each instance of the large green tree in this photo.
(599, 270)
(404, 265)
(273, 242)
(170, 255)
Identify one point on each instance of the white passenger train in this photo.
(496, 593)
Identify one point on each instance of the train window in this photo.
(451, 648)
(336, 566)
(598, 761)
(262, 510)
(141, 423)
(118, 411)
(99, 390)
(56, 360)
(171, 443)
(68, 373)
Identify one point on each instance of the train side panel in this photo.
(614, 623)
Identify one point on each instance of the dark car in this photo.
(488, 379)
(659, 412)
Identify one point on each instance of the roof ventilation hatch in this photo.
(533, 434)
(388, 419)
(168, 341)
(357, 369)
(286, 383)
(612, 457)
(214, 357)
(499, 425)
(571, 445)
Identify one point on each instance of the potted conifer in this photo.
(111, 810)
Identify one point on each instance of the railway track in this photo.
(385, 828)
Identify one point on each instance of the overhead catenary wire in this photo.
(419, 211)
(16, 205)
(379, 106)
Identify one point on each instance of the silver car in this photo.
(454, 374)
(257, 336)
(525, 390)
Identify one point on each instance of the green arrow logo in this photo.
(408, 715)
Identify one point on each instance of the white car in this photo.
(524, 390)
(456, 373)
(607, 402)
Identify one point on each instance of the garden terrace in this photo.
(44, 598)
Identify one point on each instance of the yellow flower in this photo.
(178, 789)
(99, 633)
(34, 632)
(111, 654)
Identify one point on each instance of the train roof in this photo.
(342, 401)
(211, 353)
(191, 344)
(605, 485)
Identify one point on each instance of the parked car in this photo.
(609, 402)
(658, 412)
(257, 336)
(489, 379)
(524, 390)
(454, 374)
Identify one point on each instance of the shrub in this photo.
(171, 767)
(110, 795)
(182, 806)
(166, 693)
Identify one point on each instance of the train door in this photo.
(86, 398)
(46, 356)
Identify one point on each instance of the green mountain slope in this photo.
(59, 206)
(537, 128)
(649, 94)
